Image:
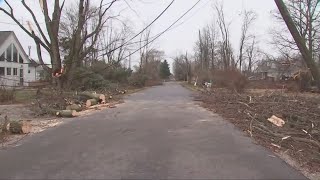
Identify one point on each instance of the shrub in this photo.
(231, 79)
(6, 94)
(138, 79)
(88, 80)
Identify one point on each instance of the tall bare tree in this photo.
(48, 36)
(226, 48)
(252, 52)
(145, 49)
(248, 19)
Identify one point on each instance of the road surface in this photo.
(158, 133)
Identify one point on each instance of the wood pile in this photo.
(53, 102)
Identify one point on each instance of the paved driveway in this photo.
(159, 133)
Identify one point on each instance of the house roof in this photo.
(4, 36)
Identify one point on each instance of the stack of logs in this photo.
(90, 99)
(24, 127)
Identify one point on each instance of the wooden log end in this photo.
(91, 102)
(67, 113)
(20, 127)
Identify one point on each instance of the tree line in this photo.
(297, 38)
(88, 43)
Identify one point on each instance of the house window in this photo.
(9, 54)
(14, 53)
(2, 57)
(21, 73)
(1, 71)
(20, 59)
(9, 71)
(15, 71)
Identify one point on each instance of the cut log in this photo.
(91, 102)
(101, 98)
(20, 127)
(76, 107)
(67, 113)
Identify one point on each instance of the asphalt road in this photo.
(158, 133)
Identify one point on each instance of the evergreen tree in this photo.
(164, 70)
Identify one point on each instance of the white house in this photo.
(16, 69)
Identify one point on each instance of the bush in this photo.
(114, 73)
(6, 95)
(231, 79)
(138, 79)
(88, 80)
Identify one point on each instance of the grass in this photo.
(190, 86)
(25, 95)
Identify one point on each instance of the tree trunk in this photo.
(305, 52)
(75, 107)
(101, 98)
(91, 102)
(67, 113)
(20, 127)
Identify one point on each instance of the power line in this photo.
(192, 15)
(149, 25)
(160, 34)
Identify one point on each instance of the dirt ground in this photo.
(299, 138)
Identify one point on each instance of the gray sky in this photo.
(183, 36)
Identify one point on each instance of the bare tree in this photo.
(114, 44)
(214, 37)
(225, 49)
(145, 49)
(48, 37)
(252, 52)
(248, 19)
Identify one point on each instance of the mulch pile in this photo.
(299, 137)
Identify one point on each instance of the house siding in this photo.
(15, 80)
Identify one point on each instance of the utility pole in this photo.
(301, 43)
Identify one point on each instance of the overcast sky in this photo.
(183, 36)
